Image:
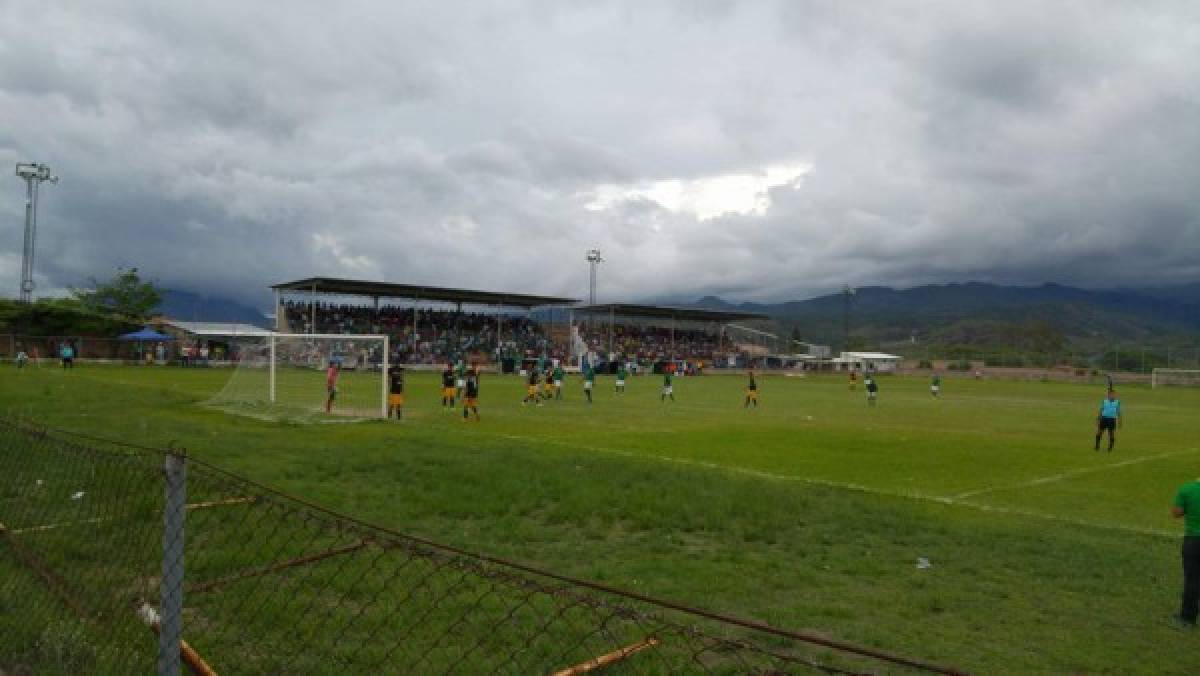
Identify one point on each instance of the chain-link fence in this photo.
(94, 536)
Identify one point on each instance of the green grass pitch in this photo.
(810, 512)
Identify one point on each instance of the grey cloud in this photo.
(225, 147)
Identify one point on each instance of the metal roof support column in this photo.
(612, 318)
(457, 329)
(673, 355)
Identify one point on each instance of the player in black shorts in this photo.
(531, 390)
(471, 402)
(396, 391)
(751, 392)
(448, 387)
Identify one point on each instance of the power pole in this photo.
(34, 175)
(847, 293)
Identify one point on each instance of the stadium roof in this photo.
(687, 314)
(355, 287)
(219, 329)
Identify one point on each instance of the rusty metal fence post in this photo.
(171, 603)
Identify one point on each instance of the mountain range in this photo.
(193, 307)
(956, 313)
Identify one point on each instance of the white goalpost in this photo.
(283, 376)
(1178, 377)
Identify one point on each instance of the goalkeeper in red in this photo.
(331, 378)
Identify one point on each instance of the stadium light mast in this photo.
(593, 258)
(34, 175)
(847, 293)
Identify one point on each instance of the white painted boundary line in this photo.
(859, 488)
(1069, 474)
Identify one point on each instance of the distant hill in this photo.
(188, 306)
(982, 313)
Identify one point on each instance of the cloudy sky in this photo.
(757, 150)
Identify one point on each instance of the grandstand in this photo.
(430, 325)
(426, 324)
(653, 333)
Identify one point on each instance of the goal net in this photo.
(1183, 377)
(283, 377)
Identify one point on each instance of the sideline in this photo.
(1069, 474)
(858, 488)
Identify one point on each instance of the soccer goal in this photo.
(283, 377)
(1182, 377)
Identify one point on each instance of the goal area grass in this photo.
(811, 512)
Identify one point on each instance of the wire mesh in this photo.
(275, 584)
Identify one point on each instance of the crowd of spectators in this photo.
(436, 335)
(427, 335)
(650, 343)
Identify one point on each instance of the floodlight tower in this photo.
(593, 259)
(34, 175)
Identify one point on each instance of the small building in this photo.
(879, 362)
(218, 341)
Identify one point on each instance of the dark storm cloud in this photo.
(222, 147)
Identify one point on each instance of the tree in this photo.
(125, 296)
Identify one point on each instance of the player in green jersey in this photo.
(589, 381)
(558, 375)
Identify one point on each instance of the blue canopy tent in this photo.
(146, 335)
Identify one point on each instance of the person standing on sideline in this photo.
(67, 353)
(331, 378)
(872, 389)
(935, 385)
(667, 389)
(1187, 507)
(1108, 419)
(853, 379)
(751, 392)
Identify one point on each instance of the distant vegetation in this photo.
(1004, 326)
(118, 305)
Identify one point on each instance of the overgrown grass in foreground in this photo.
(809, 513)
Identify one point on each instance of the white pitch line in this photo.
(954, 502)
(1072, 473)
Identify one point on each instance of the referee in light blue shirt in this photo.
(1109, 419)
